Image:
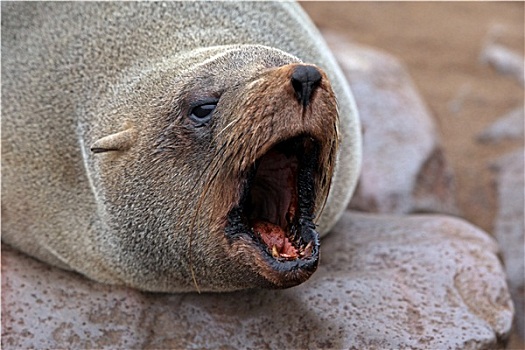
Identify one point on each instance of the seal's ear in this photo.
(120, 141)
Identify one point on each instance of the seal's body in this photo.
(173, 146)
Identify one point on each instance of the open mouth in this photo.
(275, 212)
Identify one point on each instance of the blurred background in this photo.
(446, 47)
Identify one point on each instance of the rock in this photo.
(510, 126)
(505, 61)
(509, 227)
(404, 168)
(424, 282)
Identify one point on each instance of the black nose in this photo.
(305, 79)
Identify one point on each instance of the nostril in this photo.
(305, 79)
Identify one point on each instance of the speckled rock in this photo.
(404, 168)
(509, 227)
(425, 282)
(510, 126)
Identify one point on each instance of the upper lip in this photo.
(276, 208)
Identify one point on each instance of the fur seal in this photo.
(173, 146)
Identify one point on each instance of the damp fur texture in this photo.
(149, 213)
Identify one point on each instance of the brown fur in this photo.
(148, 210)
(263, 113)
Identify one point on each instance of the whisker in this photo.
(226, 127)
(196, 211)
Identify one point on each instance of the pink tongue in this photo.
(275, 238)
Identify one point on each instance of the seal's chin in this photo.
(274, 219)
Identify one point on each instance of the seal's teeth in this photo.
(307, 250)
(275, 253)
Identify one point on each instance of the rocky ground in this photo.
(385, 282)
(440, 92)
(466, 61)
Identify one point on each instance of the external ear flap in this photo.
(120, 141)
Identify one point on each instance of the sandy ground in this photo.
(441, 45)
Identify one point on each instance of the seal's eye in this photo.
(202, 113)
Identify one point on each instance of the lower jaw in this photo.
(274, 273)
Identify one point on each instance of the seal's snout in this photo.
(275, 171)
(305, 79)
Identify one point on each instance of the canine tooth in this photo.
(307, 249)
(275, 253)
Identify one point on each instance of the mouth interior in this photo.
(277, 203)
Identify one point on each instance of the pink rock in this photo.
(422, 282)
(404, 169)
(509, 228)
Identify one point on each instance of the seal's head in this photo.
(221, 171)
